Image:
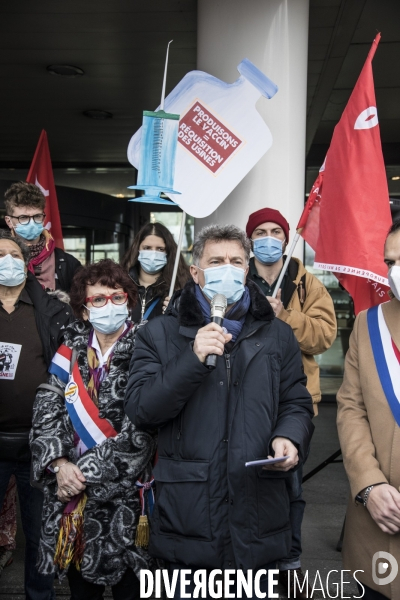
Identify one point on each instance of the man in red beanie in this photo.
(304, 303)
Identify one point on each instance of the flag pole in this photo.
(286, 263)
(178, 254)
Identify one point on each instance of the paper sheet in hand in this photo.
(266, 461)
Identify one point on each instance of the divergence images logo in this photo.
(386, 559)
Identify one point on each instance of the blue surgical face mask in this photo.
(108, 318)
(268, 250)
(152, 261)
(12, 271)
(226, 280)
(30, 231)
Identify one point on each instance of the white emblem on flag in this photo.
(41, 188)
(367, 119)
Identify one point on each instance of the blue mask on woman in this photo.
(12, 271)
(108, 318)
(152, 261)
(268, 250)
(29, 231)
(226, 280)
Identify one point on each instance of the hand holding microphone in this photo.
(211, 339)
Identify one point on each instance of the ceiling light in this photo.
(396, 178)
(98, 115)
(65, 70)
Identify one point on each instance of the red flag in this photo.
(308, 225)
(41, 174)
(347, 216)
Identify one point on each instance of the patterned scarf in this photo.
(36, 249)
(70, 542)
(234, 322)
(97, 373)
(41, 250)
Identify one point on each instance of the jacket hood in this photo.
(185, 306)
(43, 302)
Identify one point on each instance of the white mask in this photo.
(109, 318)
(394, 280)
(12, 271)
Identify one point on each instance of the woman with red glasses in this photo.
(94, 465)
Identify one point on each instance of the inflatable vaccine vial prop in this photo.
(221, 135)
(157, 156)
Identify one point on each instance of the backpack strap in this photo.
(51, 388)
(301, 290)
(150, 308)
(74, 356)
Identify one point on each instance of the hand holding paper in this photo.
(283, 447)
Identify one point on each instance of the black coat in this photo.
(211, 511)
(52, 316)
(110, 469)
(66, 267)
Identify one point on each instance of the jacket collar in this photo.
(186, 308)
(134, 275)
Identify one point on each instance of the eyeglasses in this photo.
(25, 219)
(100, 301)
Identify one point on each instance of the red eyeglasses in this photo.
(100, 301)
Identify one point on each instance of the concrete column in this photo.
(273, 34)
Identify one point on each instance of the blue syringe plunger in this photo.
(157, 157)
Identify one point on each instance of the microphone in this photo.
(218, 309)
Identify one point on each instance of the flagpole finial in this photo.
(374, 46)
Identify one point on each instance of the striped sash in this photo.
(84, 414)
(387, 358)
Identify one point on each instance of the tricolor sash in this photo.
(84, 414)
(387, 358)
(61, 363)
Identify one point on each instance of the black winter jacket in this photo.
(52, 317)
(146, 295)
(66, 267)
(211, 511)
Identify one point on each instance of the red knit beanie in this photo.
(262, 216)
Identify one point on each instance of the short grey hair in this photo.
(26, 253)
(219, 233)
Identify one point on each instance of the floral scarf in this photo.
(97, 373)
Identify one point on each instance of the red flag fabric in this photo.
(308, 225)
(41, 174)
(347, 216)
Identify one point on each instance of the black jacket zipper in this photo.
(228, 374)
(228, 369)
(143, 304)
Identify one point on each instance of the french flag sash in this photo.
(387, 358)
(82, 411)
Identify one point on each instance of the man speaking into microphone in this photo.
(213, 512)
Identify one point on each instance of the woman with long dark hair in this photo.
(150, 263)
